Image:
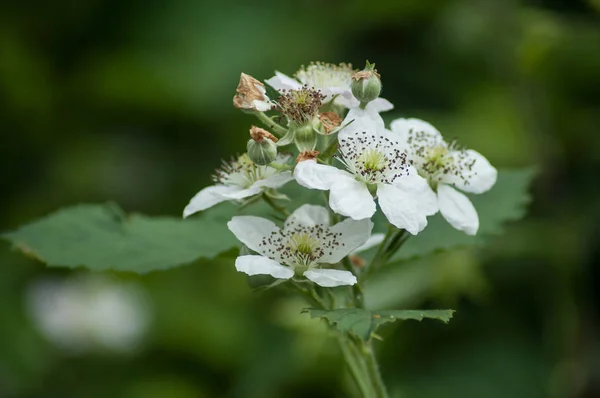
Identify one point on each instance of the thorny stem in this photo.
(267, 121)
(361, 361)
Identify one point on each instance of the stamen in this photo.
(302, 105)
(437, 159)
(241, 172)
(373, 158)
(321, 75)
(301, 245)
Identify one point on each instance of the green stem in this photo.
(267, 121)
(373, 368)
(311, 295)
(275, 206)
(357, 290)
(361, 361)
(379, 255)
(357, 367)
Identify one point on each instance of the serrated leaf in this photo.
(363, 322)
(506, 201)
(102, 237)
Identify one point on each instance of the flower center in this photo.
(300, 106)
(436, 158)
(322, 75)
(372, 160)
(303, 243)
(437, 162)
(301, 246)
(241, 172)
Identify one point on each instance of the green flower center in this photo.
(303, 243)
(372, 160)
(437, 158)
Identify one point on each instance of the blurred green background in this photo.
(131, 101)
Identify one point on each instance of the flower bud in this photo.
(261, 146)
(366, 84)
(251, 95)
(305, 137)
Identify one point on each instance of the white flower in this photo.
(237, 180)
(91, 312)
(330, 79)
(374, 162)
(447, 167)
(305, 242)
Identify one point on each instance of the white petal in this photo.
(275, 181)
(250, 230)
(259, 265)
(331, 277)
(380, 105)
(416, 186)
(457, 209)
(312, 175)
(262, 106)
(347, 100)
(405, 127)
(361, 120)
(374, 240)
(353, 234)
(208, 197)
(478, 179)
(308, 215)
(283, 82)
(351, 198)
(400, 209)
(242, 193)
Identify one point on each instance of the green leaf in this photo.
(363, 322)
(506, 201)
(103, 237)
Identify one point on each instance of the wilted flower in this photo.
(236, 180)
(251, 95)
(374, 162)
(301, 247)
(446, 167)
(330, 121)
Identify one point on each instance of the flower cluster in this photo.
(329, 115)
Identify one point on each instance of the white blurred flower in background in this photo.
(90, 313)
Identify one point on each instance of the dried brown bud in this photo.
(307, 155)
(356, 260)
(251, 95)
(259, 134)
(330, 120)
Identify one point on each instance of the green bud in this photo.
(305, 137)
(366, 84)
(261, 146)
